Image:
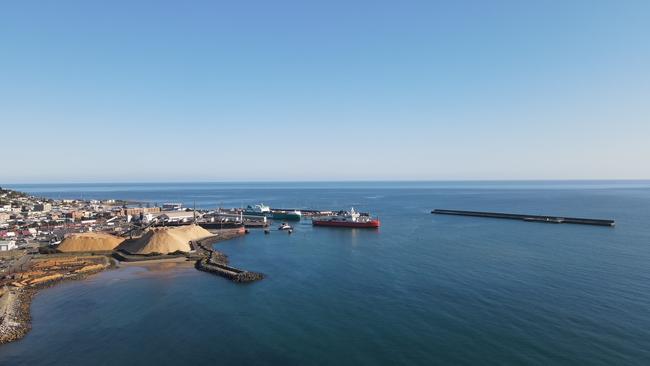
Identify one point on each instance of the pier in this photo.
(529, 218)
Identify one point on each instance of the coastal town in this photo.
(27, 222)
(44, 241)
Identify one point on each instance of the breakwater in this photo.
(529, 218)
(215, 262)
(231, 273)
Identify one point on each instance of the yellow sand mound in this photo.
(165, 240)
(88, 242)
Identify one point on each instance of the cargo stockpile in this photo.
(89, 242)
(165, 240)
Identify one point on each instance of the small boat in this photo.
(285, 226)
(350, 218)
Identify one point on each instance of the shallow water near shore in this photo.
(423, 289)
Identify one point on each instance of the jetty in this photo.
(529, 218)
(215, 262)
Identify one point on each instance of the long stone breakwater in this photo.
(530, 218)
(215, 262)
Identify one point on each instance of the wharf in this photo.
(255, 224)
(530, 218)
(249, 221)
(303, 211)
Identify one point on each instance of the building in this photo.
(4, 217)
(177, 216)
(43, 207)
(75, 215)
(136, 211)
(172, 206)
(6, 245)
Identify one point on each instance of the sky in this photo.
(132, 91)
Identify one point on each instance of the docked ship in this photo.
(293, 215)
(257, 210)
(347, 219)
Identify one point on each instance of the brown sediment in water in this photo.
(161, 265)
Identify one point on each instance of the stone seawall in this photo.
(215, 262)
(231, 273)
(15, 316)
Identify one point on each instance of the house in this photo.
(75, 215)
(43, 207)
(6, 245)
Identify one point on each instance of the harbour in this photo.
(431, 281)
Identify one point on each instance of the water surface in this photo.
(422, 289)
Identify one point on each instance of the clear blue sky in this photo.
(329, 90)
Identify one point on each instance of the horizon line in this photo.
(335, 181)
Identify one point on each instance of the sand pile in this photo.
(165, 240)
(89, 242)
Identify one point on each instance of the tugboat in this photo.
(285, 226)
(347, 219)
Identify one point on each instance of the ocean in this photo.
(423, 289)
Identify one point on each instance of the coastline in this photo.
(15, 300)
(15, 305)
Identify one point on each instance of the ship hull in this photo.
(373, 224)
(256, 214)
(285, 216)
(221, 225)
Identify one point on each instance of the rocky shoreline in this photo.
(15, 319)
(16, 298)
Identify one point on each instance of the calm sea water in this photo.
(421, 290)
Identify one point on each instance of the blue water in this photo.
(421, 290)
